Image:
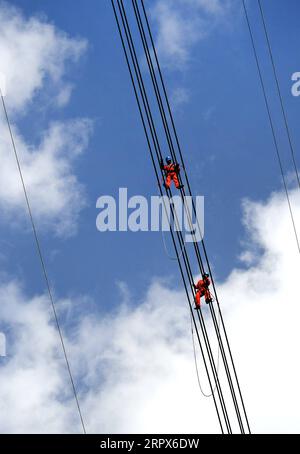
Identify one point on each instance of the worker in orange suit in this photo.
(172, 170)
(202, 289)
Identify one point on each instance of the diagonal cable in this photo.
(42, 262)
(279, 92)
(271, 125)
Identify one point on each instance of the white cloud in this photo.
(175, 34)
(33, 53)
(179, 96)
(64, 95)
(184, 23)
(135, 366)
(55, 194)
(34, 57)
(135, 363)
(32, 390)
(264, 316)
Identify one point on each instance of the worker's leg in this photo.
(167, 183)
(176, 181)
(197, 299)
(208, 298)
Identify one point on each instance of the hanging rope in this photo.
(170, 257)
(196, 363)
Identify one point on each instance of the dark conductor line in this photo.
(185, 257)
(173, 153)
(190, 193)
(143, 95)
(158, 181)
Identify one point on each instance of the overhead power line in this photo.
(152, 144)
(276, 146)
(279, 92)
(186, 259)
(149, 122)
(195, 242)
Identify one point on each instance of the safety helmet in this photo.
(205, 275)
(168, 159)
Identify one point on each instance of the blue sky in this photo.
(223, 128)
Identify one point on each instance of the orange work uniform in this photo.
(202, 290)
(172, 171)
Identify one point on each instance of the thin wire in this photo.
(271, 125)
(44, 270)
(279, 92)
